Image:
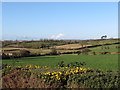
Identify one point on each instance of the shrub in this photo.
(61, 64)
(76, 64)
(104, 52)
(53, 52)
(4, 56)
(64, 76)
(84, 51)
(24, 53)
(95, 80)
(72, 64)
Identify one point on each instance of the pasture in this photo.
(103, 62)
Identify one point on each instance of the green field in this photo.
(100, 69)
(103, 62)
(112, 48)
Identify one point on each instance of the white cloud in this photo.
(57, 36)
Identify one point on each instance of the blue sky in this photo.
(60, 20)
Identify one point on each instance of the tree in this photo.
(104, 37)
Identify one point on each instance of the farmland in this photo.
(62, 63)
(105, 62)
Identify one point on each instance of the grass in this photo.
(45, 43)
(93, 49)
(104, 62)
(112, 48)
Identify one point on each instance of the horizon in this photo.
(59, 20)
(62, 39)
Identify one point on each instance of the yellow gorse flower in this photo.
(52, 77)
(58, 78)
(48, 73)
(83, 69)
(58, 75)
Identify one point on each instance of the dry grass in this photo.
(16, 80)
(70, 46)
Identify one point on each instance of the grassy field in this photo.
(44, 71)
(104, 62)
(112, 48)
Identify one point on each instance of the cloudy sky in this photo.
(59, 20)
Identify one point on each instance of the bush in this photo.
(53, 52)
(95, 80)
(84, 51)
(4, 56)
(24, 53)
(72, 64)
(64, 76)
(61, 64)
(76, 64)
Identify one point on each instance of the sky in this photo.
(59, 20)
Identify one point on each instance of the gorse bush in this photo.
(95, 79)
(66, 77)
(72, 64)
(76, 64)
(61, 64)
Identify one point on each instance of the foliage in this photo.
(24, 52)
(96, 79)
(4, 56)
(53, 52)
(66, 76)
(72, 64)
